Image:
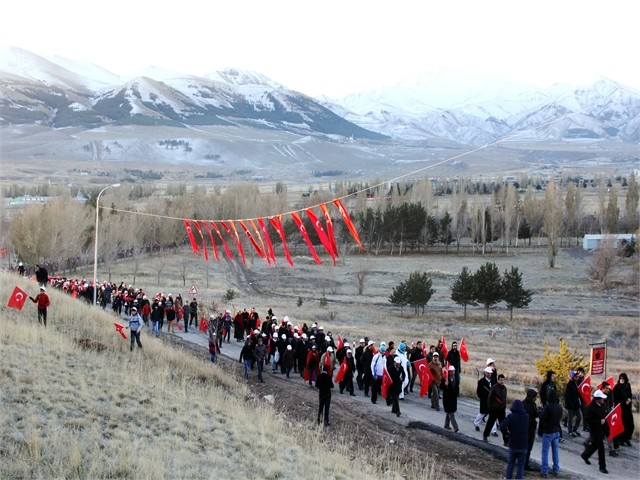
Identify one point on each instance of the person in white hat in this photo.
(397, 374)
(365, 361)
(450, 392)
(482, 391)
(594, 416)
(42, 299)
(328, 358)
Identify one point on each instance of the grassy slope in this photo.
(76, 412)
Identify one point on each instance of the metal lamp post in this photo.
(95, 251)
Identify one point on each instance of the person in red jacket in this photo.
(42, 299)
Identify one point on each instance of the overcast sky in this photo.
(337, 47)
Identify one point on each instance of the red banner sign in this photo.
(598, 355)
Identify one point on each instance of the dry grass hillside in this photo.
(76, 403)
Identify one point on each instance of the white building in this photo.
(593, 241)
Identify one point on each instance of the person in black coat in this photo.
(324, 384)
(347, 381)
(595, 418)
(450, 392)
(516, 428)
(396, 372)
(482, 391)
(497, 403)
(549, 429)
(453, 358)
(622, 395)
(358, 358)
(572, 402)
(531, 408)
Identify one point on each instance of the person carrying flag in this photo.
(435, 368)
(397, 374)
(135, 326)
(42, 299)
(599, 429)
(377, 371)
(622, 396)
(347, 381)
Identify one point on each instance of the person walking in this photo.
(260, 355)
(246, 357)
(622, 395)
(516, 428)
(482, 391)
(599, 430)
(324, 384)
(214, 349)
(347, 381)
(42, 299)
(549, 430)
(497, 403)
(531, 408)
(435, 368)
(135, 327)
(378, 365)
(398, 376)
(450, 392)
(572, 402)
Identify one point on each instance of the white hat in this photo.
(488, 370)
(312, 337)
(286, 319)
(490, 361)
(304, 335)
(348, 350)
(371, 342)
(397, 360)
(295, 335)
(329, 349)
(435, 354)
(599, 394)
(283, 336)
(289, 347)
(256, 331)
(43, 289)
(383, 343)
(264, 334)
(362, 340)
(451, 367)
(320, 328)
(346, 344)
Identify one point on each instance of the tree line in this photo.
(485, 287)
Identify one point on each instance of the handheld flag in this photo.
(17, 299)
(340, 343)
(611, 382)
(445, 372)
(341, 371)
(614, 420)
(464, 353)
(119, 329)
(386, 383)
(204, 325)
(443, 349)
(585, 389)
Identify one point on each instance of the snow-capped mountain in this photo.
(411, 122)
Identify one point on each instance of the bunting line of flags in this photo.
(256, 231)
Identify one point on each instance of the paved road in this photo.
(416, 409)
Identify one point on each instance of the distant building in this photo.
(593, 241)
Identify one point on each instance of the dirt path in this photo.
(416, 433)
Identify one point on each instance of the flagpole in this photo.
(95, 250)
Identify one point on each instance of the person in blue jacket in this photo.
(516, 428)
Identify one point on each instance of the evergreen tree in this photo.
(515, 295)
(416, 291)
(463, 291)
(488, 285)
(446, 235)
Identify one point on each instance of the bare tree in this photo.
(604, 262)
(361, 275)
(631, 204)
(552, 221)
(613, 211)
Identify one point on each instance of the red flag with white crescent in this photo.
(204, 325)
(259, 237)
(614, 419)
(445, 372)
(347, 221)
(17, 298)
(443, 348)
(252, 240)
(224, 243)
(585, 389)
(204, 244)
(321, 234)
(277, 224)
(386, 383)
(611, 382)
(235, 237)
(464, 353)
(305, 235)
(192, 239)
(341, 371)
(119, 329)
(329, 222)
(213, 242)
(267, 239)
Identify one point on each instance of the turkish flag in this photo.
(340, 343)
(204, 325)
(585, 389)
(614, 419)
(445, 372)
(342, 370)
(424, 374)
(17, 299)
(119, 329)
(443, 348)
(386, 383)
(611, 382)
(464, 353)
(178, 324)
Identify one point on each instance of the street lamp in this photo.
(95, 251)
